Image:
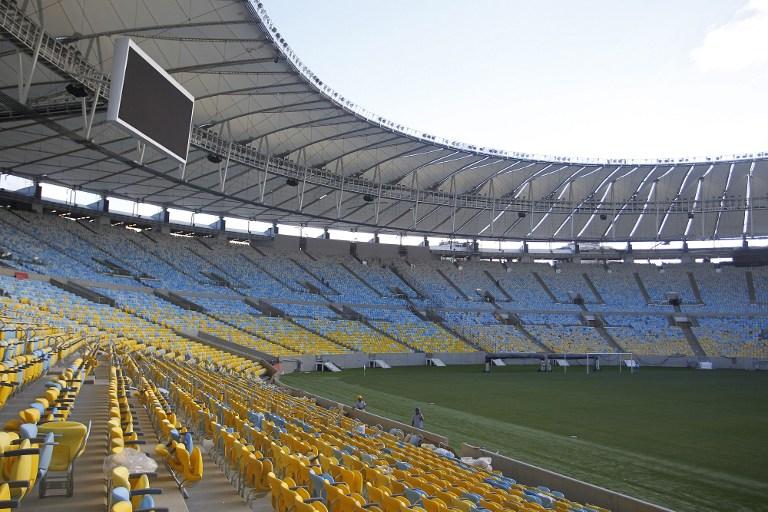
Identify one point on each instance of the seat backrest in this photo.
(70, 436)
(46, 454)
(120, 477)
(23, 467)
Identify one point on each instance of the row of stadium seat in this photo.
(314, 459)
(55, 245)
(233, 320)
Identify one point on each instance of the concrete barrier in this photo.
(573, 489)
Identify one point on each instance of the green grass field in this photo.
(686, 439)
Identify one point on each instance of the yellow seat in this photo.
(71, 438)
(20, 467)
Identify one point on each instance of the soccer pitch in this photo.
(686, 439)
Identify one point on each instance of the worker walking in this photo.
(418, 419)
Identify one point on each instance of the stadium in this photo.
(207, 254)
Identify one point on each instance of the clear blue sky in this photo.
(641, 78)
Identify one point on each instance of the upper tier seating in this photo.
(220, 275)
(659, 281)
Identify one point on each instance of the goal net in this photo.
(594, 361)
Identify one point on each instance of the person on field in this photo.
(418, 419)
(360, 405)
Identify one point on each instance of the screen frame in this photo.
(120, 60)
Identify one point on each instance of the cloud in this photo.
(739, 44)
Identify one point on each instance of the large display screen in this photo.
(148, 102)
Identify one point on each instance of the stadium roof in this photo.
(294, 151)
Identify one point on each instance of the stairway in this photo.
(203, 243)
(146, 235)
(453, 285)
(497, 284)
(179, 301)
(222, 275)
(407, 283)
(267, 271)
(534, 339)
(360, 278)
(695, 288)
(116, 269)
(693, 341)
(167, 262)
(82, 291)
(751, 287)
(437, 319)
(389, 336)
(545, 287)
(643, 289)
(314, 276)
(593, 288)
(321, 335)
(249, 332)
(610, 339)
(212, 492)
(233, 348)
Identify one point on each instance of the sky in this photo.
(594, 78)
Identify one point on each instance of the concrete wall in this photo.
(451, 358)
(281, 242)
(573, 489)
(350, 362)
(367, 251)
(418, 253)
(358, 360)
(320, 247)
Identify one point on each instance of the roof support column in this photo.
(340, 193)
(612, 227)
(455, 201)
(492, 195)
(223, 171)
(656, 205)
(26, 83)
(302, 161)
(264, 143)
(377, 178)
(701, 203)
(89, 124)
(415, 186)
(530, 201)
(570, 202)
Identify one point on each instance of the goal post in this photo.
(621, 358)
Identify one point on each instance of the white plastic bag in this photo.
(134, 460)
